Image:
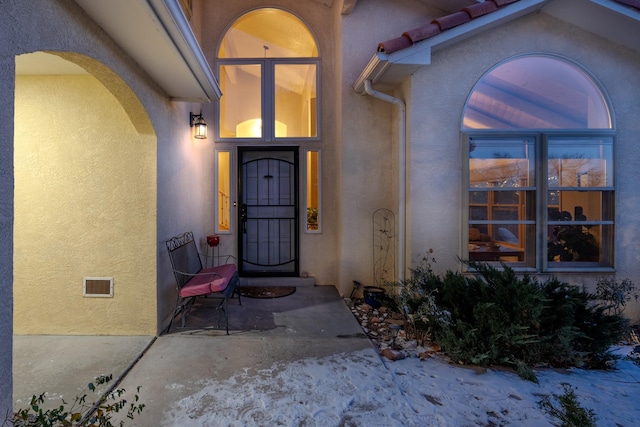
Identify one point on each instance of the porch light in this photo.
(197, 121)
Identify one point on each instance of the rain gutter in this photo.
(175, 23)
(402, 174)
(157, 36)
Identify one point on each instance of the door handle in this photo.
(243, 217)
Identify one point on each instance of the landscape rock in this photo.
(376, 325)
(393, 354)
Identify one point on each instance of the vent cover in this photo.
(98, 287)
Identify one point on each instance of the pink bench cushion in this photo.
(208, 280)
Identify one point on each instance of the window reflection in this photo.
(566, 218)
(536, 92)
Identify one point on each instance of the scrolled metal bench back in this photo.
(176, 242)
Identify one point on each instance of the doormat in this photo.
(266, 291)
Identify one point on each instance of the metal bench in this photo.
(194, 281)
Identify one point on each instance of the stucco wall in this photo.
(6, 233)
(84, 207)
(184, 166)
(369, 134)
(439, 93)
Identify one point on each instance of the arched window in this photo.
(268, 67)
(540, 181)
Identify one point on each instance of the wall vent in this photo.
(98, 287)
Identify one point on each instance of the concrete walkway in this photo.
(312, 322)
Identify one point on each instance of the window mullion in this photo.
(542, 184)
(268, 100)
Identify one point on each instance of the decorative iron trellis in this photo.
(384, 247)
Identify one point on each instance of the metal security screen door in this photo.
(268, 220)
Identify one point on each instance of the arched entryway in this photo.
(84, 203)
(268, 64)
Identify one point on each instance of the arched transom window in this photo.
(540, 182)
(268, 67)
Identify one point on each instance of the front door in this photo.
(268, 214)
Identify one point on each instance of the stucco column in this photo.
(7, 85)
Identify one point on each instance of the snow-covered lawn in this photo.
(363, 389)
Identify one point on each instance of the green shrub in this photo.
(498, 317)
(81, 412)
(493, 316)
(615, 295)
(569, 412)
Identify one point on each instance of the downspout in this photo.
(402, 174)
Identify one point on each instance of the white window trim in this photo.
(231, 188)
(540, 263)
(305, 167)
(267, 66)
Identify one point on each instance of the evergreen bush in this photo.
(496, 316)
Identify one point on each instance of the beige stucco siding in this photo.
(183, 185)
(84, 207)
(370, 134)
(439, 92)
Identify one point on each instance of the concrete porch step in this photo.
(277, 281)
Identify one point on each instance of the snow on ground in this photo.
(363, 389)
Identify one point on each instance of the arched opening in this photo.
(84, 203)
(540, 177)
(268, 67)
(536, 92)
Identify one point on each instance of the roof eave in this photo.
(619, 8)
(157, 35)
(390, 69)
(176, 24)
(609, 19)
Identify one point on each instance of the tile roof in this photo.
(444, 23)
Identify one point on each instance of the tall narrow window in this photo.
(540, 167)
(313, 191)
(268, 66)
(224, 191)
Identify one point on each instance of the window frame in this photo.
(307, 169)
(268, 89)
(268, 98)
(218, 229)
(536, 242)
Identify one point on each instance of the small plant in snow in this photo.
(568, 410)
(81, 412)
(615, 294)
(416, 296)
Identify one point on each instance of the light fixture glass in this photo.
(197, 122)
